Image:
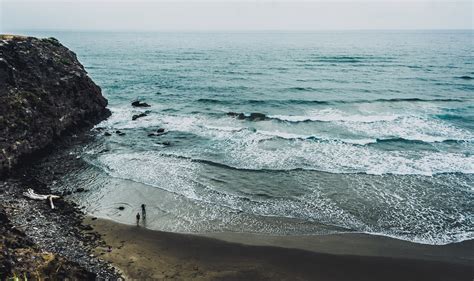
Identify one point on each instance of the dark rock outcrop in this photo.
(140, 104)
(252, 117)
(159, 132)
(136, 116)
(44, 93)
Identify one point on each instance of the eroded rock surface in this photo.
(44, 93)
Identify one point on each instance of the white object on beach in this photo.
(32, 195)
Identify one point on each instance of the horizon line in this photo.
(231, 30)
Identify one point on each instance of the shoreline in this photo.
(140, 253)
(360, 244)
(143, 253)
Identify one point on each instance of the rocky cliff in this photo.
(44, 93)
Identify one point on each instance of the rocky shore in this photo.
(47, 102)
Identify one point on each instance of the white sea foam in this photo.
(170, 174)
(332, 115)
(290, 136)
(121, 118)
(359, 141)
(387, 126)
(244, 149)
(224, 128)
(407, 215)
(339, 157)
(181, 176)
(284, 135)
(248, 148)
(411, 128)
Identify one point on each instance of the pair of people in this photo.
(143, 214)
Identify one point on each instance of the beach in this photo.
(140, 253)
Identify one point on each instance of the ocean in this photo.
(357, 131)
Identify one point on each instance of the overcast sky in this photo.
(147, 15)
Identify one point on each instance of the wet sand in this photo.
(145, 254)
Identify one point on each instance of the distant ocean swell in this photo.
(322, 102)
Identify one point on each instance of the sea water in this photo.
(369, 131)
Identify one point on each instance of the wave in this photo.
(306, 89)
(334, 116)
(324, 115)
(416, 100)
(366, 141)
(450, 116)
(252, 101)
(365, 129)
(428, 140)
(297, 137)
(374, 171)
(322, 102)
(339, 59)
(355, 129)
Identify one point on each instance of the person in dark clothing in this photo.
(138, 219)
(143, 211)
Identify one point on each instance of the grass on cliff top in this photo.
(12, 36)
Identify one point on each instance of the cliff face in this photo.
(44, 92)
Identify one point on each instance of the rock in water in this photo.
(136, 116)
(44, 92)
(251, 117)
(140, 104)
(239, 116)
(257, 117)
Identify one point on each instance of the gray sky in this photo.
(147, 15)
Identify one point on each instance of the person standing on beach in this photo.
(138, 219)
(143, 211)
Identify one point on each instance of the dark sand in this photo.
(145, 254)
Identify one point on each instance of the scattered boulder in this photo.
(140, 104)
(136, 116)
(257, 117)
(239, 116)
(120, 133)
(159, 132)
(121, 208)
(251, 117)
(107, 134)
